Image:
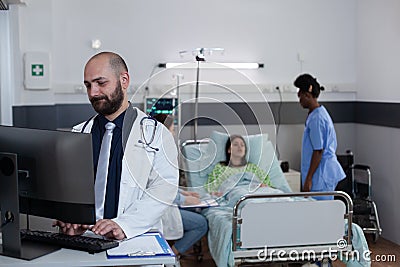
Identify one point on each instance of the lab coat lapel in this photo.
(135, 154)
(129, 119)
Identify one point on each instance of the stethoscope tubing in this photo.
(145, 143)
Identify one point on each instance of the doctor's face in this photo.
(103, 87)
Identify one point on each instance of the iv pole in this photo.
(178, 77)
(199, 57)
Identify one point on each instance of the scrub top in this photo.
(319, 133)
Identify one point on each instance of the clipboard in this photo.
(150, 244)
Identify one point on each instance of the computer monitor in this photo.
(51, 171)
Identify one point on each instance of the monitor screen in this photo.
(55, 172)
(160, 105)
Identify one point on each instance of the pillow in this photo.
(196, 159)
(254, 144)
(201, 159)
(270, 164)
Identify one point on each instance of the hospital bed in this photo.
(260, 225)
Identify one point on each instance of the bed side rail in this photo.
(195, 142)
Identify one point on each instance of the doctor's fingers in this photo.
(106, 227)
(58, 223)
(70, 231)
(72, 226)
(116, 233)
(86, 226)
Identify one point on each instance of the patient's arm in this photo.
(261, 174)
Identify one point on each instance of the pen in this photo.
(142, 253)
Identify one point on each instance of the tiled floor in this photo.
(384, 254)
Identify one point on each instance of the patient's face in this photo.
(238, 148)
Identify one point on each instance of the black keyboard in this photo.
(78, 242)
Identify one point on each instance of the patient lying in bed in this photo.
(235, 177)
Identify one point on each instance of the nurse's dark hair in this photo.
(117, 63)
(228, 146)
(307, 83)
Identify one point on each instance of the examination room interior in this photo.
(351, 46)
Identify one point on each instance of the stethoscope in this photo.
(143, 124)
(151, 122)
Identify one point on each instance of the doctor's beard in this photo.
(108, 105)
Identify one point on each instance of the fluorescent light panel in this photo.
(208, 65)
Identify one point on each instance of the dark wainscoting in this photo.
(67, 115)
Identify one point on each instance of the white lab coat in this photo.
(149, 178)
(172, 223)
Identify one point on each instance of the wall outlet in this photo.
(300, 57)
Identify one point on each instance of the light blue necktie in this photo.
(102, 170)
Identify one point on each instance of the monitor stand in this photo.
(9, 205)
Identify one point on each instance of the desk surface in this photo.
(68, 257)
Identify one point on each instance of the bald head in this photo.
(107, 80)
(115, 61)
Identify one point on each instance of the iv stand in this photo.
(178, 77)
(199, 57)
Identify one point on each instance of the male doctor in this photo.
(141, 179)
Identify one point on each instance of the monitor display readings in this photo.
(55, 172)
(160, 105)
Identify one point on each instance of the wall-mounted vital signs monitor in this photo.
(154, 105)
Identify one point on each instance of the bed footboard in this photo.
(278, 227)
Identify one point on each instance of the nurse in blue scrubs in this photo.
(320, 169)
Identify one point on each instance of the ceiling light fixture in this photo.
(210, 65)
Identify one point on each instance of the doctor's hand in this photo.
(109, 229)
(71, 228)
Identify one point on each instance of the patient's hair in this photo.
(228, 146)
